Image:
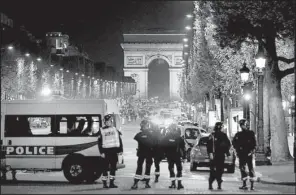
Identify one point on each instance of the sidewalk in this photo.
(278, 173)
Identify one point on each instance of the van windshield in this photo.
(191, 133)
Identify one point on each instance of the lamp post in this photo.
(247, 90)
(260, 64)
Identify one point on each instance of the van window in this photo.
(203, 141)
(191, 133)
(78, 125)
(27, 126)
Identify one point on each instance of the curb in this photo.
(266, 180)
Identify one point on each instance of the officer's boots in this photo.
(147, 183)
(156, 178)
(252, 185)
(105, 184)
(211, 183)
(173, 184)
(219, 185)
(112, 185)
(180, 186)
(135, 185)
(244, 186)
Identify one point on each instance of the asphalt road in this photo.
(194, 182)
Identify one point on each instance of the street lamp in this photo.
(188, 28)
(185, 39)
(46, 91)
(189, 16)
(247, 90)
(244, 72)
(27, 54)
(260, 64)
(10, 47)
(38, 59)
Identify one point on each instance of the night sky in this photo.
(97, 24)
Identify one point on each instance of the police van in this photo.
(56, 135)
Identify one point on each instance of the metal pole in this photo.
(294, 88)
(260, 155)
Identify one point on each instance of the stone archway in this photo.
(159, 79)
(140, 50)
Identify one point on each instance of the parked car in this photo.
(190, 134)
(199, 156)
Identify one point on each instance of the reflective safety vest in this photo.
(110, 138)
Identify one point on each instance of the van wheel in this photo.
(74, 170)
(231, 169)
(193, 166)
(92, 175)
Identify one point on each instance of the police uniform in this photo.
(110, 143)
(144, 153)
(174, 148)
(218, 145)
(244, 143)
(158, 153)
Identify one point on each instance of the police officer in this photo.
(158, 153)
(174, 148)
(244, 143)
(144, 153)
(218, 146)
(110, 144)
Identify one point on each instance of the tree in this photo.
(201, 72)
(263, 22)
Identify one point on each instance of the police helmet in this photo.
(218, 126)
(144, 122)
(107, 117)
(242, 122)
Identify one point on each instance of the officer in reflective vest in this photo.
(144, 153)
(110, 144)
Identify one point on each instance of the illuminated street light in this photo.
(10, 47)
(61, 69)
(186, 45)
(67, 70)
(185, 53)
(46, 91)
(51, 65)
(39, 59)
(292, 98)
(247, 97)
(82, 75)
(189, 16)
(27, 54)
(260, 58)
(185, 39)
(188, 28)
(76, 73)
(244, 71)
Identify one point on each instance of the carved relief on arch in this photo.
(150, 57)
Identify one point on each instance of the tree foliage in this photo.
(24, 77)
(263, 22)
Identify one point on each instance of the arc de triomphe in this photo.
(141, 49)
